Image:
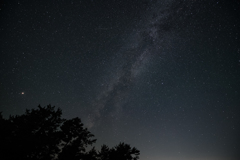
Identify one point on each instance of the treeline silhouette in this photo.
(41, 134)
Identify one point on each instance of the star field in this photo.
(160, 75)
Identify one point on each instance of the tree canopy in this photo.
(42, 134)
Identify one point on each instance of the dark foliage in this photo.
(41, 134)
(119, 152)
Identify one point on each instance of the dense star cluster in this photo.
(161, 75)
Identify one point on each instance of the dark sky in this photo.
(161, 75)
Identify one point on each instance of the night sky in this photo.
(160, 75)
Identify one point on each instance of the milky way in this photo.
(152, 34)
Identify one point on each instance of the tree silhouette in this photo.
(104, 154)
(120, 152)
(41, 134)
(33, 135)
(75, 140)
(124, 151)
